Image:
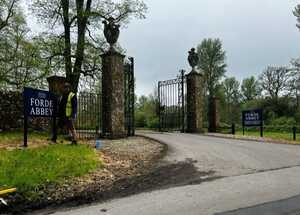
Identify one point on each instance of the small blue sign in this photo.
(253, 117)
(39, 103)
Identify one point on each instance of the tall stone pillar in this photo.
(194, 103)
(213, 114)
(113, 115)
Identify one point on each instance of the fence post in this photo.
(183, 101)
(294, 133)
(159, 112)
(233, 129)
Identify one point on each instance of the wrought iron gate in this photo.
(172, 103)
(88, 122)
(129, 96)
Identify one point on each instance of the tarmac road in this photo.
(257, 178)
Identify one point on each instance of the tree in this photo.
(20, 60)
(274, 80)
(212, 63)
(294, 83)
(230, 87)
(296, 13)
(7, 11)
(76, 20)
(250, 89)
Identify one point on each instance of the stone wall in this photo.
(11, 113)
(11, 110)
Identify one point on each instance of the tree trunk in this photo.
(82, 24)
(67, 36)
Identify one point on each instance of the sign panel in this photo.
(39, 103)
(252, 117)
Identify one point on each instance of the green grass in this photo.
(17, 136)
(29, 169)
(274, 135)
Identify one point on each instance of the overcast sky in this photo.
(255, 34)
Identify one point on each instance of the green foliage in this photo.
(296, 13)
(212, 63)
(283, 121)
(29, 169)
(146, 112)
(250, 89)
(21, 62)
(153, 122)
(140, 119)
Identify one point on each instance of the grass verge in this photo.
(9, 137)
(31, 169)
(273, 135)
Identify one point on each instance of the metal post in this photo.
(294, 133)
(262, 130)
(182, 102)
(243, 130)
(132, 95)
(25, 129)
(233, 129)
(54, 129)
(159, 102)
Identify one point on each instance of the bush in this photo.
(140, 119)
(153, 122)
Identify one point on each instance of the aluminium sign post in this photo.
(39, 103)
(252, 118)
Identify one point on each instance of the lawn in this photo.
(16, 137)
(30, 169)
(274, 135)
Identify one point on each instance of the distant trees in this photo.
(20, 60)
(212, 63)
(274, 81)
(250, 88)
(146, 112)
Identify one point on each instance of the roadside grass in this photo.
(30, 169)
(9, 137)
(271, 134)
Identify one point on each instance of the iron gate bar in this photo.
(171, 96)
(129, 96)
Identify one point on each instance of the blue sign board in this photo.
(39, 103)
(252, 117)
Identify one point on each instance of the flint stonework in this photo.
(113, 115)
(194, 103)
(213, 114)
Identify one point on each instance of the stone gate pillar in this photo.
(194, 102)
(113, 115)
(213, 114)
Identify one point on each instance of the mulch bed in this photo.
(125, 161)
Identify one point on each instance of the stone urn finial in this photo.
(193, 59)
(111, 31)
